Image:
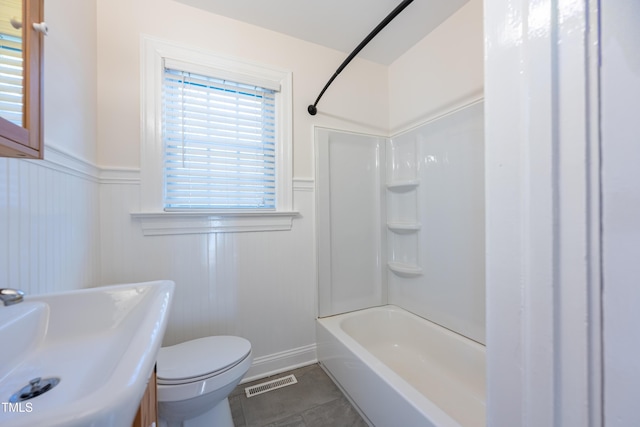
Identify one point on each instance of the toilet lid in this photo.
(201, 357)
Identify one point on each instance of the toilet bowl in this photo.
(196, 377)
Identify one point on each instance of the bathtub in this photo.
(401, 370)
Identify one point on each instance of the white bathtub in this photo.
(402, 370)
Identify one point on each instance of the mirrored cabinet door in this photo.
(21, 79)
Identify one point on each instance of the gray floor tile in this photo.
(236, 410)
(313, 388)
(239, 391)
(337, 413)
(293, 421)
(314, 400)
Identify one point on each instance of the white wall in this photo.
(49, 209)
(70, 73)
(351, 102)
(621, 210)
(442, 71)
(260, 285)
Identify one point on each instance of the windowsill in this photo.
(168, 223)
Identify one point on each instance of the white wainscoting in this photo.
(49, 233)
(258, 285)
(65, 224)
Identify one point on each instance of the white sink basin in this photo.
(101, 343)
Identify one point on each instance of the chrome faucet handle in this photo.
(11, 296)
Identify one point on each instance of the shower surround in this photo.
(400, 223)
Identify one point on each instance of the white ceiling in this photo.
(340, 24)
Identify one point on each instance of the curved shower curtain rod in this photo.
(395, 12)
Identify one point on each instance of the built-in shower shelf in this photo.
(402, 186)
(405, 270)
(403, 227)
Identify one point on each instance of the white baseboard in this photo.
(276, 363)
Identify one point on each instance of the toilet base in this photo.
(219, 416)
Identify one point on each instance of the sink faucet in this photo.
(10, 296)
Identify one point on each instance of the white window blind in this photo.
(219, 141)
(11, 99)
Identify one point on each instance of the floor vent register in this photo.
(257, 389)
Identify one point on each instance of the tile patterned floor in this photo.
(315, 401)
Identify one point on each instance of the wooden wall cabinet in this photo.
(25, 141)
(147, 415)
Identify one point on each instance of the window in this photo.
(216, 143)
(219, 143)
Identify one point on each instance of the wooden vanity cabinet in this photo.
(147, 415)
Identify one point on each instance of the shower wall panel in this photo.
(436, 261)
(401, 221)
(350, 212)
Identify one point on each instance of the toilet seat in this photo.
(200, 359)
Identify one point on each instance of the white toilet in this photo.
(195, 379)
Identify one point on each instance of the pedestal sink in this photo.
(99, 343)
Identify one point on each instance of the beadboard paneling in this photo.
(48, 226)
(258, 285)
(62, 228)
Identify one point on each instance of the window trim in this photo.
(168, 223)
(153, 52)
